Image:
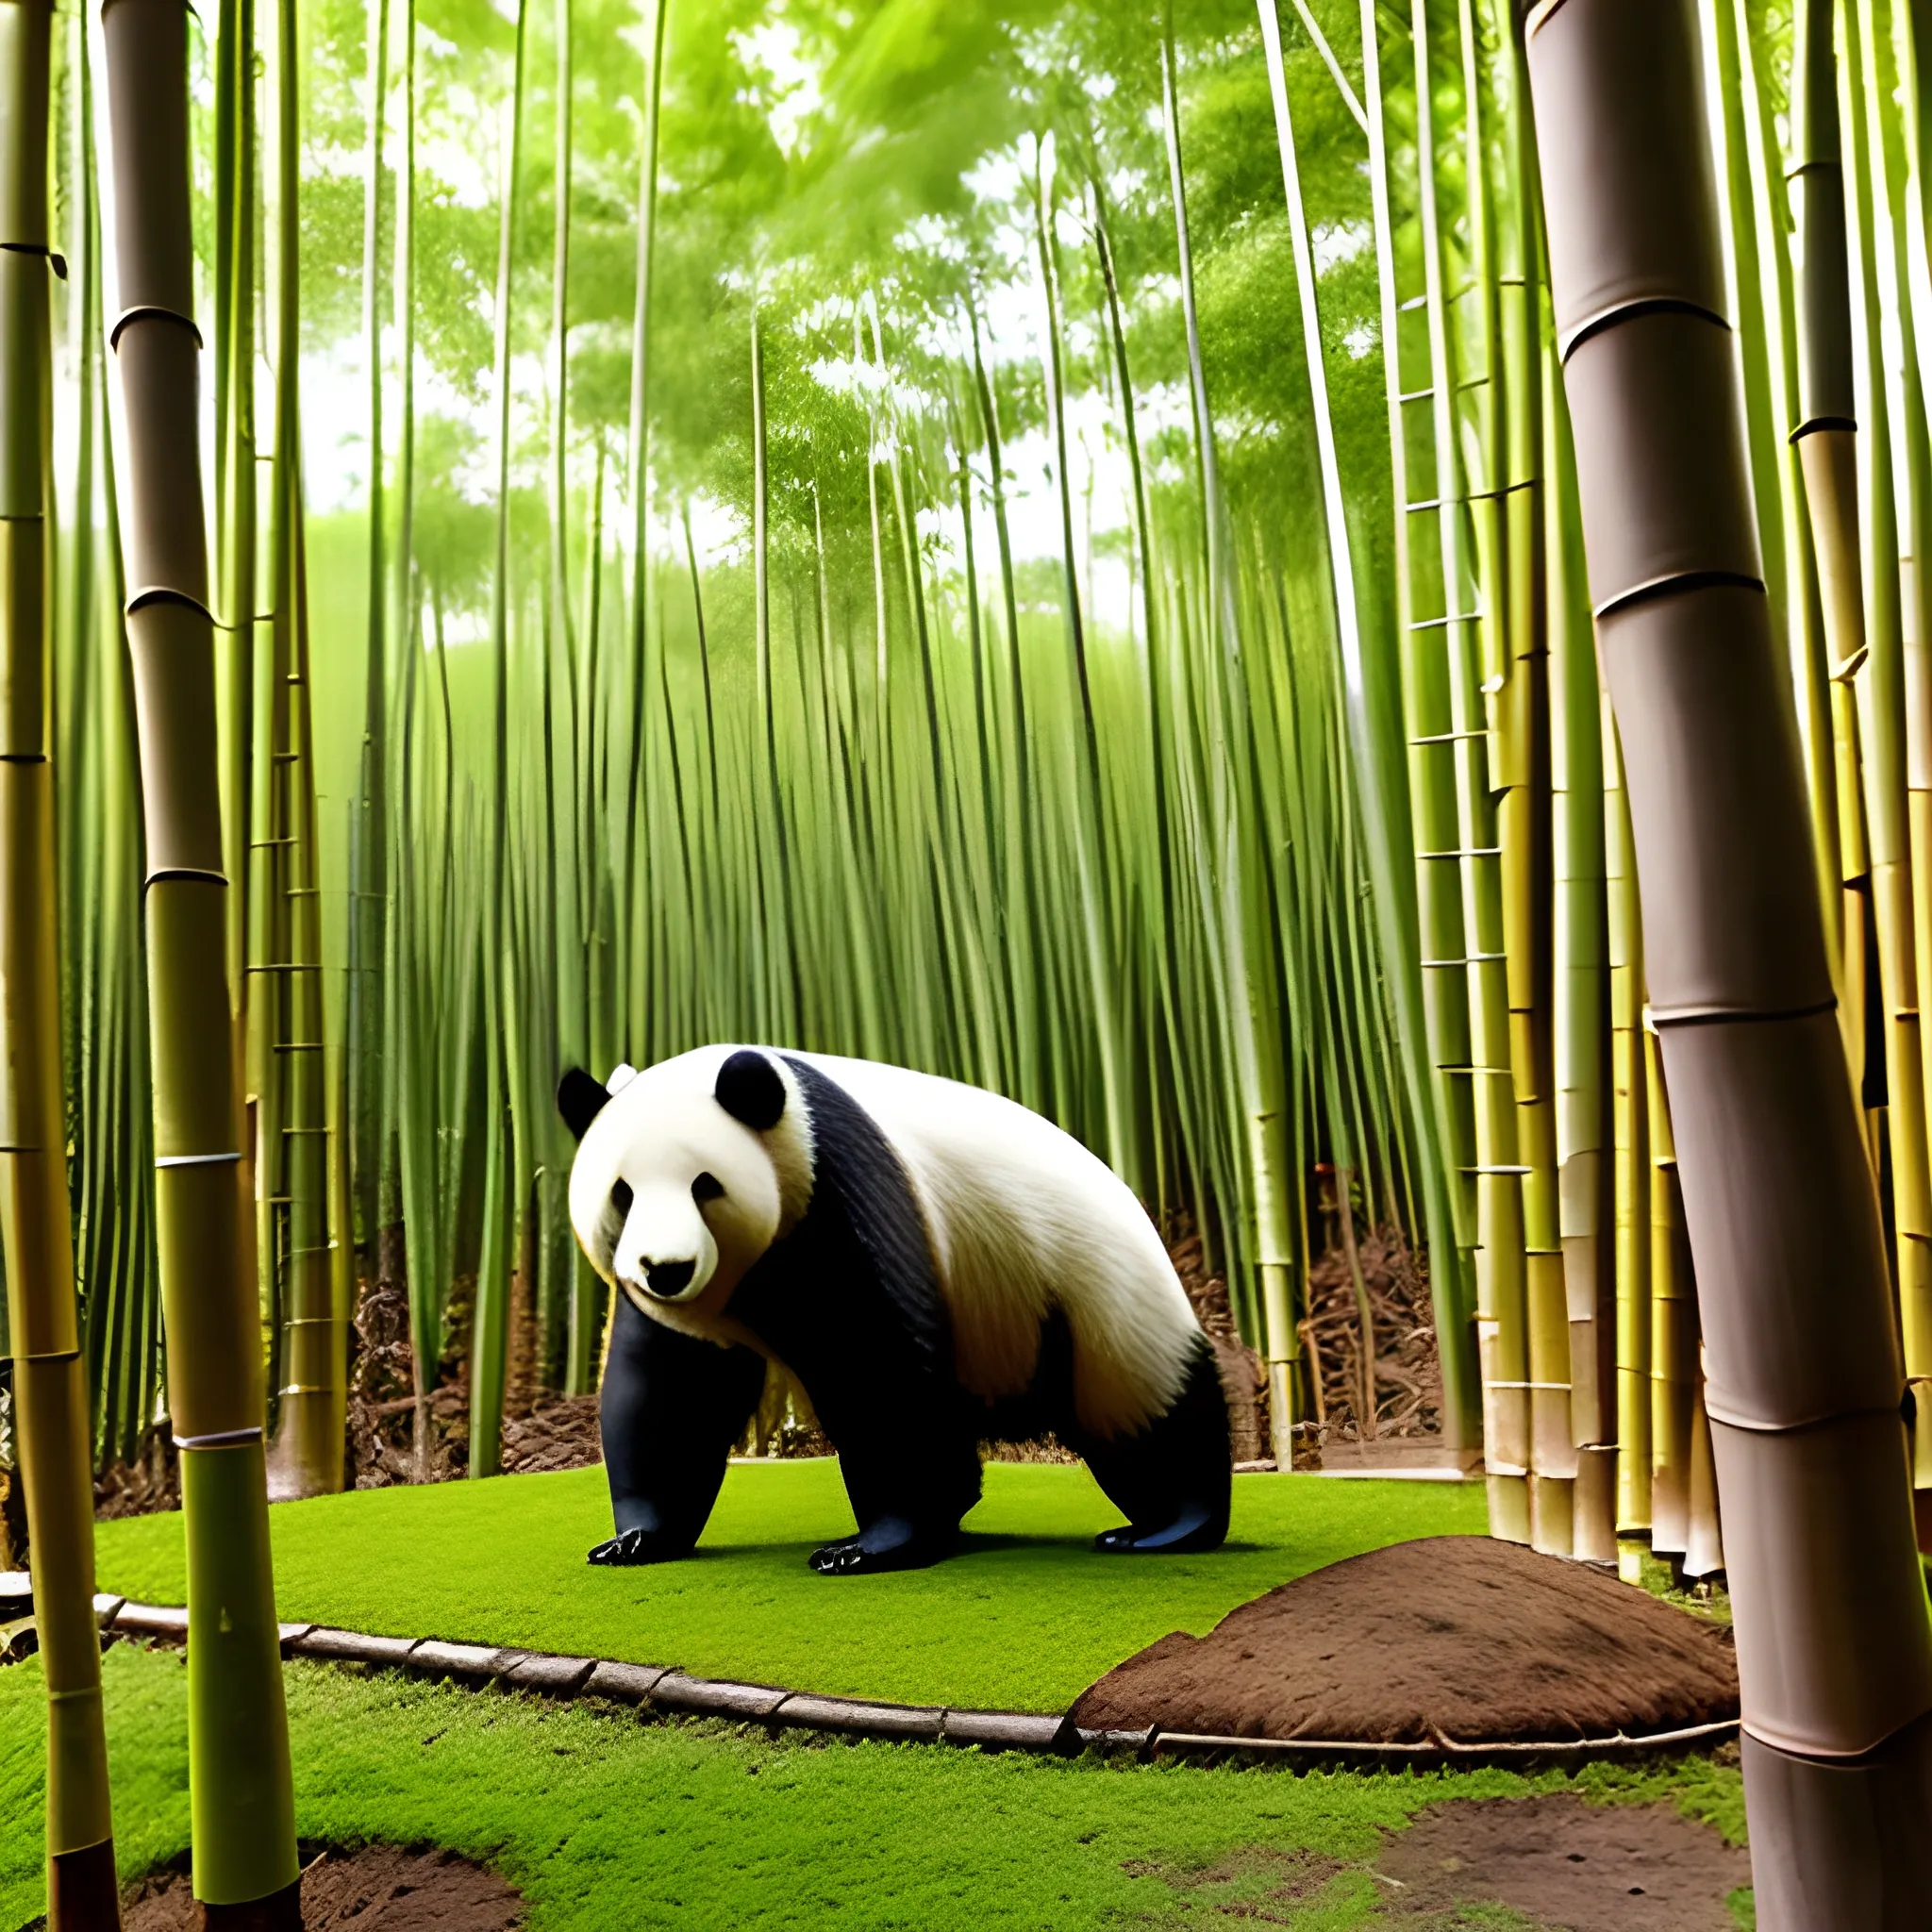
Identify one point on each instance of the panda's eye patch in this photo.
(621, 1198)
(708, 1187)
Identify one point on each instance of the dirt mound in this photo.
(1588, 1868)
(1453, 1638)
(378, 1889)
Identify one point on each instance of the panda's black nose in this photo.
(668, 1278)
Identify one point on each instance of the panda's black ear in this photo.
(749, 1089)
(578, 1100)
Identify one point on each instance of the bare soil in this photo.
(1268, 1884)
(376, 1889)
(1562, 1864)
(1585, 1868)
(1448, 1638)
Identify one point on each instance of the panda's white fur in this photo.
(1021, 1217)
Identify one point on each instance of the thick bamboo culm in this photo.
(240, 1795)
(1834, 1643)
(50, 1389)
(694, 765)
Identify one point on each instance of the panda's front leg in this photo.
(671, 1408)
(910, 1482)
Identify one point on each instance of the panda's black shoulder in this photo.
(864, 1214)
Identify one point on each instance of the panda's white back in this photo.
(1024, 1218)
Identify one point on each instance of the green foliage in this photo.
(1055, 816)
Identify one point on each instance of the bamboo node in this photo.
(221, 1439)
(1815, 423)
(164, 594)
(1634, 311)
(1677, 584)
(151, 311)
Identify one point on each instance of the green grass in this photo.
(1024, 1619)
(606, 1821)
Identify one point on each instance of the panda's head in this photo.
(687, 1172)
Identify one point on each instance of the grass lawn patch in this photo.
(603, 1820)
(1023, 1618)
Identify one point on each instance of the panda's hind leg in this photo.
(1173, 1479)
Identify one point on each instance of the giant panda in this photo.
(935, 1265)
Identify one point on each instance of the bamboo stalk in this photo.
(1473, 858)
(1585, 1169)
(44, 1336)
(1630, 1117)
(370, 1152)
(1378, 781)
(1834, 1645)
(236, 488)
(1421, 609)
(1880, 680)
(488, 1348)
(1916, 19)
(1673, 1341)
(240, 1798)
(629, 902)
(1825, 437)
(288, 1022)
(1804, 610)
(1510, 406)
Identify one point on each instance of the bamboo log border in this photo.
(666, 1691)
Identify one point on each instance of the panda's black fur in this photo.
(850, 1301)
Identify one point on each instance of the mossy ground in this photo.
(605, 1820)
(1023, 1618)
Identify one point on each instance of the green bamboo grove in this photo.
(1042, 544)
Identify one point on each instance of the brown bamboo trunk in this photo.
(49, 1377)
(1805, 1381)
(240, 1797)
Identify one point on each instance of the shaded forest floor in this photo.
(602, 1819)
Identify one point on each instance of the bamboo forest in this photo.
(1316, 604)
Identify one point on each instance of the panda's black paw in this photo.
(891, 1543)
(1194, 1529)
(637, 1546)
